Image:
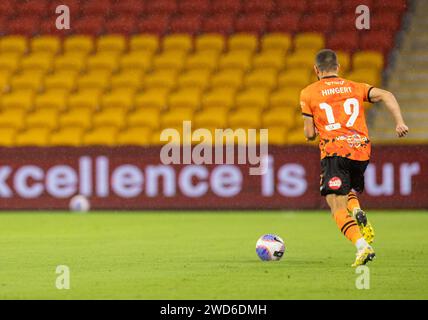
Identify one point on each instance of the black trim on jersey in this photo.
(307, 115)
(328, 77)
(368, 95)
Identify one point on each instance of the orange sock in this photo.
(353, 201)
(347, 225)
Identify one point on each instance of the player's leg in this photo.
(357, 183)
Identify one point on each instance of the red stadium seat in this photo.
(33, 8)
(7, 8)
(48, 26)
(257, 6)
(161, 7)
(349, 6)
(96, 7)
(317, 22)
(219, 23)
(26, 25)
(344, 41)
(154, 24)
(387, 21)
(226, 6)
(325, 6)
(128, 7)
(73, 5)
(390, 5)
(123, 24)
(189, 23)
(377, 41)
(193, 6)
(90, 25)
(290, 6)
(345, 22)
(252, 23)
(288, 23)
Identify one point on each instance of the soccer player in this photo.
(333, 109)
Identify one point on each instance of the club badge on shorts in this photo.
(334, 183)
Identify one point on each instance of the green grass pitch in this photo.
(206, 255)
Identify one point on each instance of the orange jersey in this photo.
(336, 106)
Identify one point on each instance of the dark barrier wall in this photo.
(134, 178)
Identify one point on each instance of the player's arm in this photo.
(309, 128)
(376, 95)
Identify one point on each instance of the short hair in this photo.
(326, 60)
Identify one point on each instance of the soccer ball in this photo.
(270, 247)
(79, 203)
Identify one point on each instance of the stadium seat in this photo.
(161, 7)
(13, 43)
(346, 22)
(145, 117)
(219, 24)
(261, 78)
(169, 60)
(88, 99)
(367, 75)
(61, 80)
(52, 99)
(38, 136)
(152, 98)
(105, 135)
(251, 23)
(118, 99)
(111, 117)
(386, 21)
(78, 117)
(104, 62)
(301, 59)
(226, 6)
(14, 118)
(377, 41)
(210, 42)
(144, 43)
(7, 7)
(49, 44)
(205, 60)
(123, 24)
(227, 79)
(325, 6)
(154, 24)
(293, 79)
(277, 135)
(29, 80)
(199, 79)
(161, 79)
(7, 136)
(136, 60)
(9, 62)
(67, 136)
(284, 23)
(351, 5)
(79, 43)
(111, 43)
(367, 60)
(277, 117)
(134, 136)
(185, 98)
(94, 80)
(211, 118)
(244, 120)
(309, 41)
(392, 5)
(128, 8)
(73, 61)
(256, 6)
(344, 40)
(344, 61)
(177, 42)
(194, 6)
(96, 7)
(175, 118)
(276, 42)
(295, 7)
(243, 42)
(37, 62)
(274, 59)
(219, 98)
(236, 60)
(128, 78)
(253, 98)
(46, 118)
(317, 22)
(18, 99)
(186, 23)
(89, 25)
(284, 98)
(24, 25)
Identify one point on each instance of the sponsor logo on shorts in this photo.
(334, 183)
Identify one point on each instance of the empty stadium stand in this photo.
(127, 69)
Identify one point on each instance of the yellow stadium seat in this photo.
(105, 61)
(94, 80)
(144, 42)
(161, 79)
(177, 42)
(277, 135)
(303, 59)
(39, 62)
(61, 80)
(368, 60)
(47, 117)
(132, 79)
(12, 118)
(211, 118)
(67, 136)
(206, 60)
(171, 60)
(13, 43)
(52, 99)
(245, 120)
(7, 136)
(194, 79)
(141, 61)
(152, 98)
(70, 61)
(37, 136)
(121, 99)
(253, 98)
(344, 61)
(285, 98)
(276, 41)
(9, 62)
(227, 79)
(4, 81)
(18, 99)
(296, 137)
(261, 78)
(296, 78)
(139, 136)
(175, 118)
(104, 135)
(276, 117)
(27, 81)
(210, 42)
(309, 40)
(370, 76)
(223, 98)
(111, 43)
(110, 117)
(88, 99)
(79, 43)
(271, 59)
(46, 43)
(185, 98)
(78, 117)
(243, 41)
(236, 60)
(145, 117)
